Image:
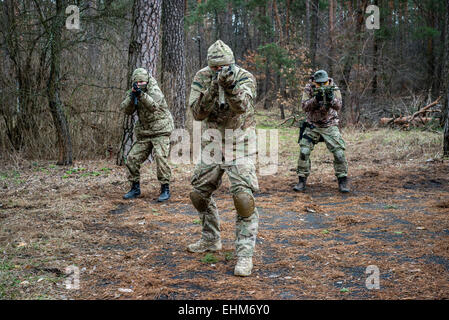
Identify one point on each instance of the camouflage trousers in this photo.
(141, 150)
(206, 179)
(334, 143)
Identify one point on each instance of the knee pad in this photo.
(199, 202)
(339, 155)
(244, 204)
(305, 152)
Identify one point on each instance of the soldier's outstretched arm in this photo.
(127, 105)
(242, 95)
(201, 99)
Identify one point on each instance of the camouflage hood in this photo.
(140, 74)
(219, 54)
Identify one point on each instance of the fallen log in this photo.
(424, 110)
(404, 121)
(414, 119)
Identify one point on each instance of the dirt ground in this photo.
(312, 245)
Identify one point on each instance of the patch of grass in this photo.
(106, 170)
(8, 281)
(197, 221)
(6, 265)
(209, 258)
(390, 206)
(229, 255)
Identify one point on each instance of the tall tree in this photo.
(143, 52)
(314, 32)
(53, 90)
(445, 108)
(173, 77)
(332, 10)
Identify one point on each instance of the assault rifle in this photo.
(324, 94)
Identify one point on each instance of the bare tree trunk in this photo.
(266, 86)
(331, 35)
(308, 39)
(375, 56)
(18, 115)
(446, 125)
(314, 32)
(173, 59)
(55, 104)
(143, 52)
(445, 107)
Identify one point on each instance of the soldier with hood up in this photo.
(152, 130)
(222, 96)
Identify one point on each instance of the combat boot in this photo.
(204, 245)
(134, 192)
(301, 186)
(343, 184)
(244, 266)
(165, 192)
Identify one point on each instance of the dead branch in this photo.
(407, 120)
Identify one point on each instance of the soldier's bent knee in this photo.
(305, 152)
(340, 155)
(199, 202)
(244, 204)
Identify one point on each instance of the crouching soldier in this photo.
(321, 102)
(152, 129)
(223, 96)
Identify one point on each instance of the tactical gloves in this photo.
(319, 96)
(137, 90)
(329, 95)
(226, 77)
(214, 85)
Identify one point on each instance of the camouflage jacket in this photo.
(316, 112)
(238, 111)
(155, 118)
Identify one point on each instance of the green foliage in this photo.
(209, 258)
(425, 32)
(278, 59)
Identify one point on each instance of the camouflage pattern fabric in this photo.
(316, 113)
(152, 109)
(219, 54)
(206, 179)
(152, 129)
(335, 144)
(159, 146)
(236, 113)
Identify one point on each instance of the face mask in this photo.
(143, 86)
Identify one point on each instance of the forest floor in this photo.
(312, 245)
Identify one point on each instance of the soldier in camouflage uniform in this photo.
(152, 130)
(322, 125)
(222, 97)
